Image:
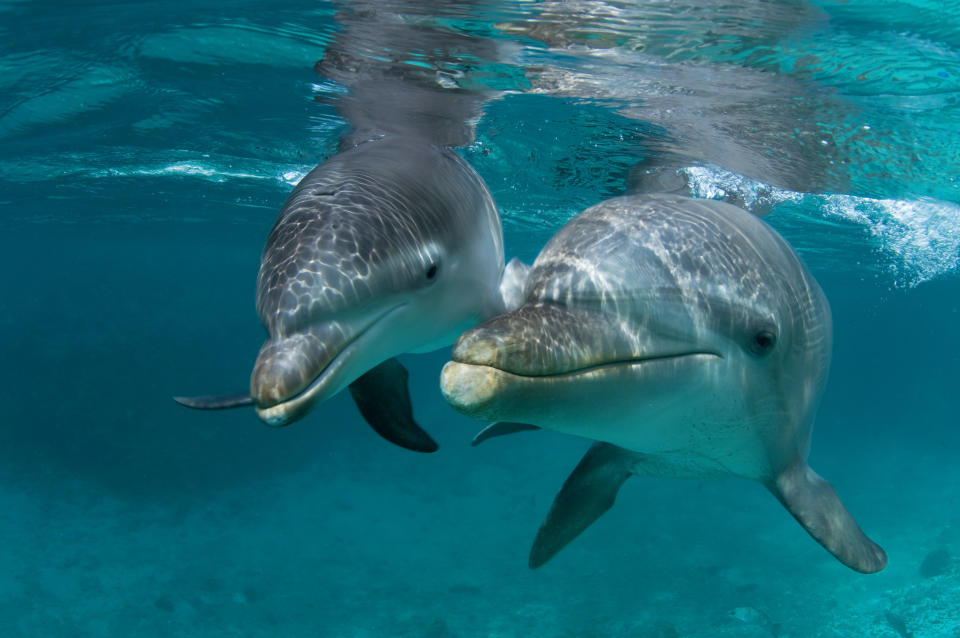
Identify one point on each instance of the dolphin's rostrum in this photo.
(685, 337)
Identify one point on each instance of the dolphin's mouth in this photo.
(485, 391)
(295, 406)
(543, 354)
(596, 367)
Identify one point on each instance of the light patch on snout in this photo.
(470, 388)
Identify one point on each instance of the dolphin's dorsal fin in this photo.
(384, 401)
(216, 402)
(513, 284)
(817, 507)
(501, 428)
(588, 492)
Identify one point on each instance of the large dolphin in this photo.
(687, 338)
(394, 246)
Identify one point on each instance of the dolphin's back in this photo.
(627, 247)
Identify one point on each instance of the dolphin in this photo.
(392, 246)
(687, 339)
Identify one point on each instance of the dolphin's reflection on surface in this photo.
(407, 72)
(725, 84)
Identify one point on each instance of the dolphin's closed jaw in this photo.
(542, 362)
(542, 340)
(470, 389)
(282, 370)
(282, 397)
(285, 382)
(276, 416)
(294, 373)
(473, 382)
(278, 381)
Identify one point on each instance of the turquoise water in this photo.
(144, 152)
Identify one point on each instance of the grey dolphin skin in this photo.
(684, 336)
(394, 246)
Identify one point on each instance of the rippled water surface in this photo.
(145, 149)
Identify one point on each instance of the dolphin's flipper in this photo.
(817, 507)
(588, 492)
(216, 402)
(384, 401)
(501, 428)
(513, 284)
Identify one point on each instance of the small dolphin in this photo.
(687, 338)
(393, 246)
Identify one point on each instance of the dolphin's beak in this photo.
(286, 379)
(536, 341)
(544, 339)
(471, 389)
(534, 360)
(294, 373)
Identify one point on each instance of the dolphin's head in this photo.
(655, 323)
(386, 249)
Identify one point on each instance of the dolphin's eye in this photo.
(763, 342)
(432, 271)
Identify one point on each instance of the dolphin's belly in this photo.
(681, 442)
(696, 449)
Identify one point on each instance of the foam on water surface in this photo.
(920, 238)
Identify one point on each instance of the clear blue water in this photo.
(144, 152)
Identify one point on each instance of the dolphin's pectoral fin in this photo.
(216, 402)
(501, 428)
(384, 401)
(817, 507)
(513, 284)
(588, 492)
